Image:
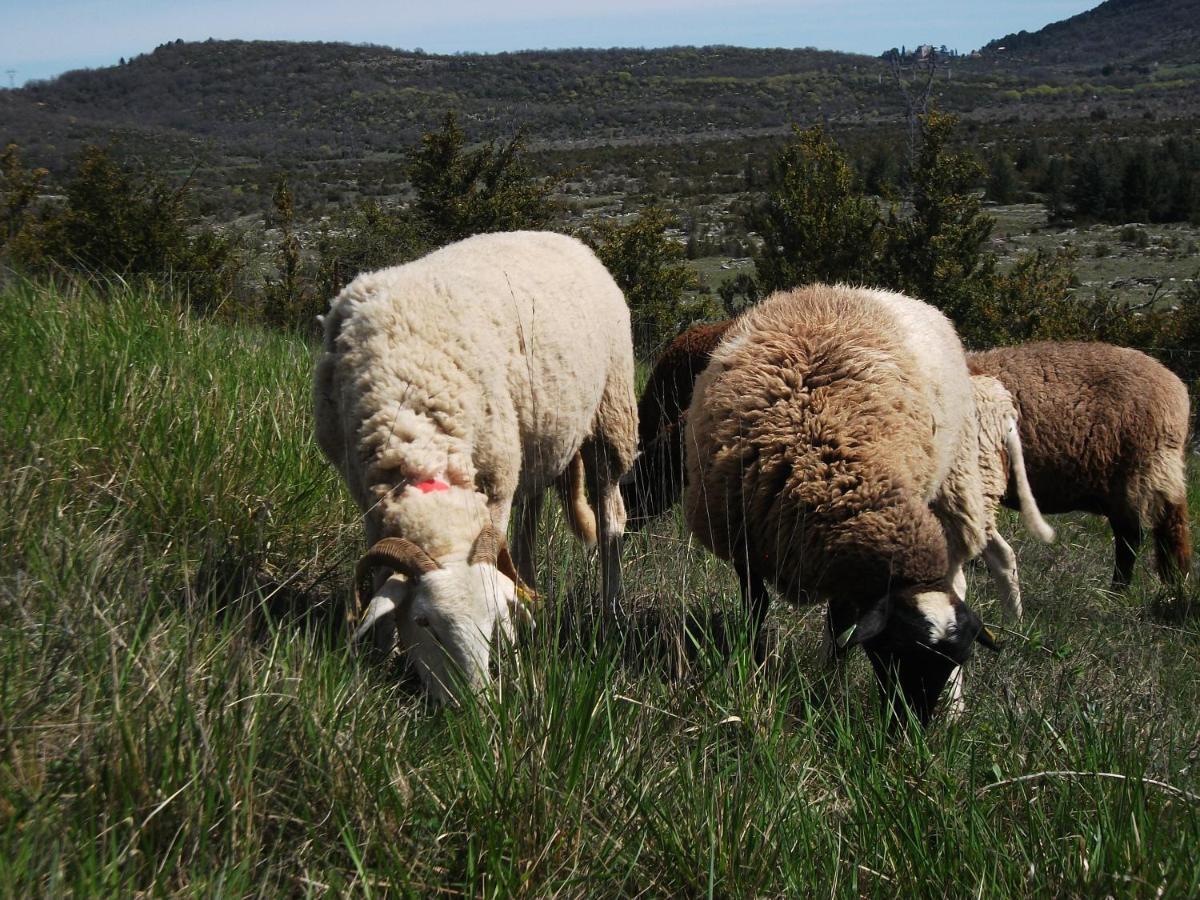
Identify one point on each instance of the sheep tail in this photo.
(1030, 514)
(572, 489)
(1173, 543)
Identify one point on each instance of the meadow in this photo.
(180, 714)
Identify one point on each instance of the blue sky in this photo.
(40, 40)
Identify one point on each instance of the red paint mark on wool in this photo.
(429, 487)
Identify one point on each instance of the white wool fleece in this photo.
(942, 362)
(508, 343)
(455, 384)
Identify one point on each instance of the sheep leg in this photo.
(757, 601)
(958, 583)
(527, 511)
(1127, 538)
(610, 523)
(955, 705)
(1002, 563)
(1173, 543)
(610, 516)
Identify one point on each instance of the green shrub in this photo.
(1034, 300)
(115, 222)
(462, 192)
(363, 238)
(649, 267)
(815, 221)
(288, 298)
(1135, 237)
(936, 251)
(1003, 186)
(738, 293)
(19, 188)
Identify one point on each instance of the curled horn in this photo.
(399, 554)
(491, 548)
(486, 548)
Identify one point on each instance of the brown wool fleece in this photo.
(826, 422)
(1104, 429)
(668, 391)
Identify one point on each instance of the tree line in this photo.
(813, 214)
(1104, 180)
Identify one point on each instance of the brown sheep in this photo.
(1104, 430)
(655, 483)
(827, 422)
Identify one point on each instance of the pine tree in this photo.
(462, 192)
(815, 222)
(936, 253)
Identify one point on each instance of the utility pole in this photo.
(12, 74)
(916, 92)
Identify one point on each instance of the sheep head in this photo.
(443, 615)
(915, 639)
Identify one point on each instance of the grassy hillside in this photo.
(178, 712)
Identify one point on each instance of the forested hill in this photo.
(1117, 32)
(327, 99)
(221, 103)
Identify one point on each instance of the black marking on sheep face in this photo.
(924, 638)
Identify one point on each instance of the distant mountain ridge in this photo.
(331, 100)
(280, 104)
(1128, 32)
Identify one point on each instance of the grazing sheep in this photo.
(655, 482)
(826, 424)
(1104, 430)
(1000, 456)
(451, 387)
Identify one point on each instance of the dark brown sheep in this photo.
(655, 483)
(1104, 430)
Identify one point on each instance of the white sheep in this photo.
(452, 387)
(826, 424)
(1001, 458)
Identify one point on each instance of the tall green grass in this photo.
(179, 714)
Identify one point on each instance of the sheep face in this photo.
(445, 622)
(915, 641)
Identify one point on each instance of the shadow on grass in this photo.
(653, 634)
(237, 586)
(655, 637)
(1176, 604)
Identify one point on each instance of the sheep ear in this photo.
(970, 621)
(519, 611)
(857, 626)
